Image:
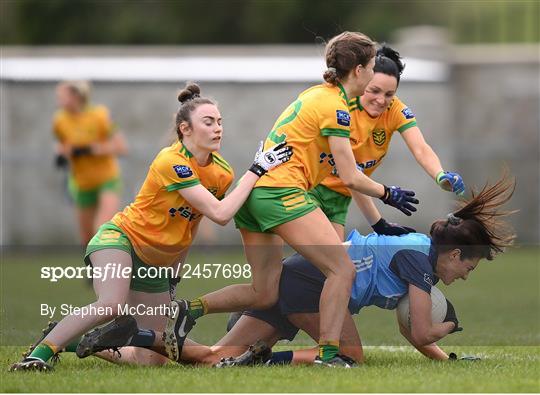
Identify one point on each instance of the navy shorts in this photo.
(300, 289)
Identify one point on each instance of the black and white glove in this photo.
(272, 157)
(453, 357)
(451, 317)
(390, 229)
(400, 199)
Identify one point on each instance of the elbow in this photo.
(222, 222)
(221, 218)
(348, 181)
(419, 338)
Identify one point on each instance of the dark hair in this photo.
(475, 227)
(190, 98)
(388, 61)
(344, 52)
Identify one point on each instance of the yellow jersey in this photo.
(90, 126)
(159, 222)
(305, 125)
(370, 137)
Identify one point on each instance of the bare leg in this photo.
(111, 294)
(264, 253)
(349, 343)
(340, 230)
(107, 207)
(246, 332)
(314, 237)
(138, 355)
(85, 218)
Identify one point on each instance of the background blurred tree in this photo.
(68, 22)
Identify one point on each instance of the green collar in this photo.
(359, 103)
(343, 91)
(185, 151)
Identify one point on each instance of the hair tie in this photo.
(332, 70)
(452, 219)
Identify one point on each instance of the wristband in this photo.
(258, 170)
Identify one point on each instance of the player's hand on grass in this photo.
(272, 157)
(451, 317)
(391, 229)
(451, 182)
(453, 357)
(402, 199)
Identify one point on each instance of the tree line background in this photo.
(181, 22)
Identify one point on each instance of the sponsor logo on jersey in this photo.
(343, 118)
(184, 212)
(407, 113)
(367, 165)
(379, 136)
(182, 171)
(428, 279)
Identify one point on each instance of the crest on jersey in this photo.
(379, 136)
(182, 171)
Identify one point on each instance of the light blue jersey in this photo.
(385, 265)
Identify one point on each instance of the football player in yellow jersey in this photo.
(88, 141)
(185, 181)
(279, 208)
(375, 116)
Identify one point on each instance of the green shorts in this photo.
(268, 207)
(333, 204)
(110, 236)
(90, 197)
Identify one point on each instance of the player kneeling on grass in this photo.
(387, 268)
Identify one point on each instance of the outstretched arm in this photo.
(430, 162)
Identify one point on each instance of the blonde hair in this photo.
(80, 88)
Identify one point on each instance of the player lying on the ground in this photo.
(388, 267)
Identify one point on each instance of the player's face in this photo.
(366, 75)
(379, 94)
(361, 76)
(206, 128)
(67, 99)
(451, 267)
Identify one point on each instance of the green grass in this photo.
(499, 308)
(503, 369)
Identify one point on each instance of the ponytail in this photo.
(476, 227)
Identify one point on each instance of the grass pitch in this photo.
(499, 308)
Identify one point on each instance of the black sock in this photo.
(281, 358)
(143, 338)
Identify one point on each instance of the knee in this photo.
(266, 299)
(345, 271)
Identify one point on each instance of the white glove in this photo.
(272, 157)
